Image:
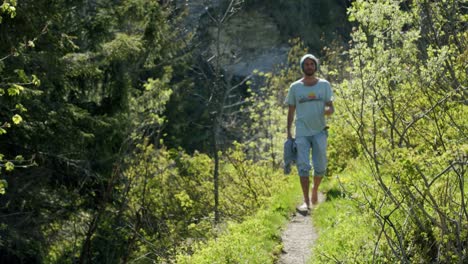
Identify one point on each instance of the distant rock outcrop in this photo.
(256, 36)
(250, 40)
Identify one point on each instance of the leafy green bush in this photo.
(402, 101)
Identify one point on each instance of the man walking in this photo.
(309, 100)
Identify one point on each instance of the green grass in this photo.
(255, 240)
(345, 231)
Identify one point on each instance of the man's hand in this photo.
(329, 109)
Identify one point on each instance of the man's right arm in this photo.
(291, 112)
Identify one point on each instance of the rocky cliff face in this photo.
(256, 35)
(249, 40)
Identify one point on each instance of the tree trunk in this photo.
(216, 173)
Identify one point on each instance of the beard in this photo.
(309, 72)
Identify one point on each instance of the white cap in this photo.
(309, 56)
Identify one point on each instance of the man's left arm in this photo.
(329, 109)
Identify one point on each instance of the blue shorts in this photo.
(318, 145)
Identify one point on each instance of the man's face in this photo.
(309, 67)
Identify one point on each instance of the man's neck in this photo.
(309, 80)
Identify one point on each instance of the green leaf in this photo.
(17, 119)
(3, 185)
(36, 80)
(22, 75)
(20, 108)
(15, 89)
(9, 166)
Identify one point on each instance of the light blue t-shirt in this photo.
(310, 106)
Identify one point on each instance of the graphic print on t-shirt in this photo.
(310, 97)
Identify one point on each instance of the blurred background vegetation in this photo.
(126, 137)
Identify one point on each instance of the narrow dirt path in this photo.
(298, 238)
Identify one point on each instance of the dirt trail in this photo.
(298, 238)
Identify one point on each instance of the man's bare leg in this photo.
(317, 181)
(305, 184)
